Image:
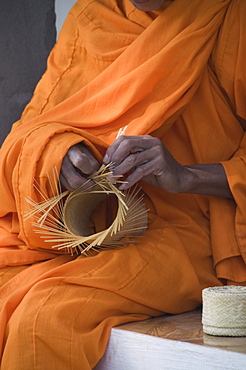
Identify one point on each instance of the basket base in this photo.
(224, 332)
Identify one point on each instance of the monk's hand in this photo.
(76, 166)
(145, 158)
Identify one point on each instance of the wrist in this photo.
(206, 179)
(189, 180)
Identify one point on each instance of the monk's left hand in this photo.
(146, 158)
(76, 166)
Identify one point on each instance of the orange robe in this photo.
(178, 75)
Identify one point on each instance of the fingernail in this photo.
(122, 186)
(106, 159)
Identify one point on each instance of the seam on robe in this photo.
(92, 294)
(69, 61)
(99, 27)
(36, 315)
(61, 75)
(226, 43)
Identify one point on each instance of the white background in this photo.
(62, 8)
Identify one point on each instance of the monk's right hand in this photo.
(76, 166)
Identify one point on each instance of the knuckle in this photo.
(125, 143)
(140, 171)
(158, 151)
(131, 160)
(157, 141)
(152, 142)
(148, 137)
(120, 140)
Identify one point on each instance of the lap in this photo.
(64, 308)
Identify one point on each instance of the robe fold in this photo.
(176, 74)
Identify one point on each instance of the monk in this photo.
(172, 72)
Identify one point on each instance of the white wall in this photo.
(62, 8)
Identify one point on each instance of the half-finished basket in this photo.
(64, 219)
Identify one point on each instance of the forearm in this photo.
(207, 179)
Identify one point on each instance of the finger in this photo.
(138, 174)
(70, 178)
(135, 160)
(112, 149)
(125, 145)
(93, 162)
(81, 158)
(64, 182)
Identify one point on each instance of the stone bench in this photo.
(171, 342)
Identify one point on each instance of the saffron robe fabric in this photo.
(177, 74)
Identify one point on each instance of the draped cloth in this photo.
(176, 74)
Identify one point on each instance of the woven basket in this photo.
(63, 220)
(224, 311)
(131, 218)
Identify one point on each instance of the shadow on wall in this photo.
(27, 34)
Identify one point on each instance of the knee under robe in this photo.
(180, 78)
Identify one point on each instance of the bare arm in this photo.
(208, 179)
